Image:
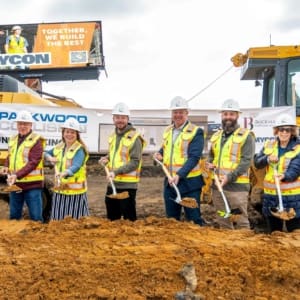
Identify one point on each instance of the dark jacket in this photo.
(291, 174)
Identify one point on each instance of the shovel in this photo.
(11, 188)
(114, 195)
(279, 211)
(187, 201)
(228, 213)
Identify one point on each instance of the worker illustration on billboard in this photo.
(15, 42)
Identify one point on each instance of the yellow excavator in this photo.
(277, 70)
(13, 91)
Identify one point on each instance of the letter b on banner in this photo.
(248, 123)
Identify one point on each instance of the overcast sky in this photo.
(158, 49)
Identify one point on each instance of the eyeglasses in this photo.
(286, 129)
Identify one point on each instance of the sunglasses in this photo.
(286, 129)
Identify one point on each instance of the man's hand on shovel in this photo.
(110, 176)
(173, 181)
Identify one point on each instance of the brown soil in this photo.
(152, 258)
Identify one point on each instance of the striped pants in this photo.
(75, 206)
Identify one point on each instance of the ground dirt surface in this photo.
(152, 258)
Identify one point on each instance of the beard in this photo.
(229, 125)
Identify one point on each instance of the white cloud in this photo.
(156, 50)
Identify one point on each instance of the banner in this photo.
(51, 46)
(96, 124)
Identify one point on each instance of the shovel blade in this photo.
(234, 214)
(11, 188)
(283, 215)
(188, 202)
(120, 196)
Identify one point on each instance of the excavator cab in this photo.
(277, 69)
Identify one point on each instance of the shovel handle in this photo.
(110, 179)
(170, 178)
(217, 182)
(220, 189)
(164, 168)
(277, 183)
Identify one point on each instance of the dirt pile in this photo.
(93, 258)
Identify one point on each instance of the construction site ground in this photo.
(152, 258)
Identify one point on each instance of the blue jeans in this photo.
(173, 209)
(33, 200)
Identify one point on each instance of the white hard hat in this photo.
(179, 103)
(24, 116)
(285, 120)
(71, 123)
(16, 27)
(121, 109)
(230, 105)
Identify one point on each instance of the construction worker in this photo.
(15, 43)
(180, 152)
(281, 157)
(69, 158)
(24, 168)
(232, 149)
(124, 162)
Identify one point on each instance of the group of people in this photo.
(24, 168)
(231, 152)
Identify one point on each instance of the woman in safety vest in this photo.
(69, 157)
(281, 158)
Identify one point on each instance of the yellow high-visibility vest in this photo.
(228, 157)
(287, 188)
(19, 156)
(119, 157)
(176, 154)
(16, 46)
(77, 183)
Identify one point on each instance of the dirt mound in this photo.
(93, 258)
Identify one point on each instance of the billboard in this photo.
(47, 48)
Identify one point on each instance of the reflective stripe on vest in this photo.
(228, 157)
(19, 156)
(176, 154)
(119, 157)
(287, 188)
(75, 184)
